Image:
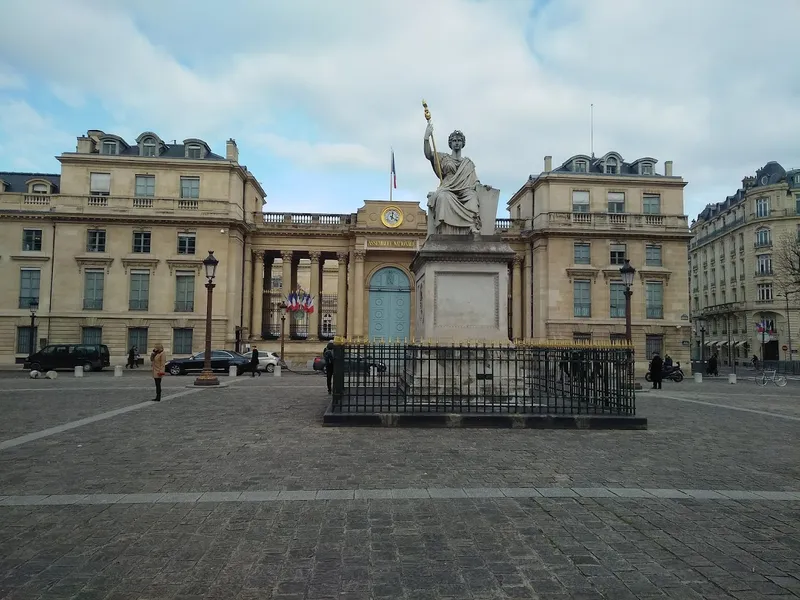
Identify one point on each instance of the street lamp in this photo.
(282, 306)
(34, 306)
(701, 325)
(627, 272)
(207, 377)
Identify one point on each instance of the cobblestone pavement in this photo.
(114, 508)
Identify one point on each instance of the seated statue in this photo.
(454, 208)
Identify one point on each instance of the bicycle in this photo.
(771, 376)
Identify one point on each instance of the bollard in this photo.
(732, 378)
(78, 371)
(277, 371)
(232, 371)
(118, 371)
(698, 378)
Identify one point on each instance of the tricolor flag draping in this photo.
(394, 173)
(308, 304)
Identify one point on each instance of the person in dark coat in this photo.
(131, 358)
(327, 355)
(656, 367)
(254, 363)
(667, 361)
(713, 366)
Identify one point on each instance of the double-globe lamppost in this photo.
(283, 307)
(627, 272)
(34, 306)
(701, 325)
(207, 377)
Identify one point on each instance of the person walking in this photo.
(131, 358)
(327, 356)
(254, 363)
(656, 366)
(157, 362)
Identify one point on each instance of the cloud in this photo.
(10, 79)
(712, 85)
(28, 136)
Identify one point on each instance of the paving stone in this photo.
(520, 492)
(410, 493)
(704, 494)
(774, 495)
(557, 492)
(739, 494)
(594, 492)
(180, 497)
(373, 494)
(297, 495)
(144, 498)
(335, 495)
(666, 493)
(483, 493)
(630, 492)
(220, 497)
(259, 496)
(446, 493)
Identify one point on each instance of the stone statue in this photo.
(454, 208)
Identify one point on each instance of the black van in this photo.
(92, 357)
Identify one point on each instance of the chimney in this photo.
(668, 168)
(86, 145)
(232, 150)
(548, 164)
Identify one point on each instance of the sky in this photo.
(317, 93)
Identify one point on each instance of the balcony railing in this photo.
(583, 309)
(715, 234)
(615, 221)
(763, 244)
(764, 273)
(92, 304)
(655, 312)
(138, 305)
(26, 301)
(184, 306)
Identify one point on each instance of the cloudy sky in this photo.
(317, 92)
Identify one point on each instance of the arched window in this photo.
(40, 188)
(763, 238)
(612, 166)
(149, 147)
(327, 325)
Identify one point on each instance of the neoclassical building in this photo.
(111, 251)
(734, 287)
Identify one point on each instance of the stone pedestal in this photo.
(462, 288)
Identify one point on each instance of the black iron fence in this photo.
(479, 378)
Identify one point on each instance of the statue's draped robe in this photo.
(455, 201)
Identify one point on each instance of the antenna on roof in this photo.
(591, 129)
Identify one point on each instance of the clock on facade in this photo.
(392, 217)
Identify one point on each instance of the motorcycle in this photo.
(674, 373)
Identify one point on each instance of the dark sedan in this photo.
(221, 360)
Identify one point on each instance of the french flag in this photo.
(308, 304)
(394, 172)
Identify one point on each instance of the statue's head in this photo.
(457, 140)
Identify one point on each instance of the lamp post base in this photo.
(206, 378)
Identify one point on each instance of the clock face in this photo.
(392, 217)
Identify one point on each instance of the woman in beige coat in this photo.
(158, 362)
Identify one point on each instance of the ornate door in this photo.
(389, 305)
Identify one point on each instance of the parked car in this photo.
(92, 357)
(221, 360)
(266, 360)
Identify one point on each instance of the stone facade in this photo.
(733, 279)
(112, 249)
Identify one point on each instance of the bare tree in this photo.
(786, 265)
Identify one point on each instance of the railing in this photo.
(138, 305)
(763, 244)
(380, 378)
(655, 312)
(308, 219)
(715, 234)
(26, 301)
(184, 306)
(92, 304)
(601, 221)
(764, 273)
(37, 199)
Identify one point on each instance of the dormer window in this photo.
(581, 166)
(612, 166)
(109, 147)
(646, 169)
(149, 147)
(40, 188)
(194, 151)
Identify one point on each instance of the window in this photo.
(186, 243)
(763, 238)
(582, 254)
(190, 187)
(764, 264)
(149, 147)
(654, 295)
(651, 204)
(276, 282)
(582, 291)
(653, 344)
(96, 240)
(327, 326)
(184, 291)
(94, 282)
(194, 152)
(140, 290)
(24, 340)
(92, 336)
(141, 242)
(100, 184)
(647, 169)
(145, 186)
(29, 280)
(797, 179)
(580, 201)
(581, 166)
(109, 147)
(618, 254)
(137, 338)
(32, 240)
(764, 292)
(652, 255)
(762, 207)
(797, 204)
(182, 341)
(40, 188)
(612, 167)
(616, 202)
(617, 293)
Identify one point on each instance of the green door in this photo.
(389, 305)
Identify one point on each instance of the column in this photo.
(267, 311)
(527, 294)
(287, 287)
(232, 291)
(313, 318)
(358, 294)
(516, 298)
(341, 296)
(247, 305)
(258, 294)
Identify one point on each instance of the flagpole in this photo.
(391, 174)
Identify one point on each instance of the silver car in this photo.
(266, 360)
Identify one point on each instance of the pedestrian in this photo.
(327, 356)
(254, 363)
(131, 357)
(713, 366)
(667, 361)
(656, 366)
(157, 362)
